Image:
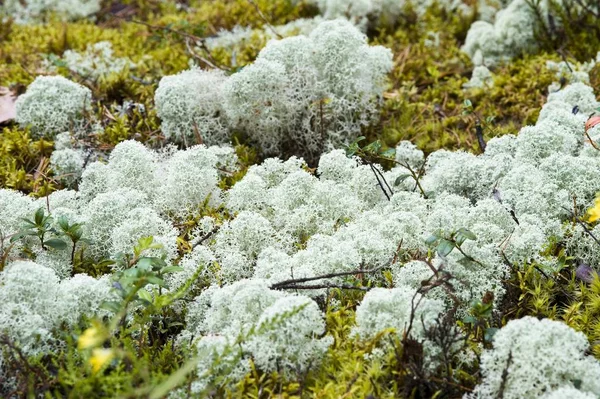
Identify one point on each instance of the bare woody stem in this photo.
(295, 283)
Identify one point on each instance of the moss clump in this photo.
(225, 14)
(24, 162)
(425, 102)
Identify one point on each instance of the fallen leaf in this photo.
(8, 111)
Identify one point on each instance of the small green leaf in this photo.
(431, 240)
(63, 223)
(351, 150)
(145, 295)
(144, 264)
(401, 178)
(56, 243)
(76, 233)
(113, 306)
(444, 247)
(373, 148)
(467, 233)
(171, 269)
(39, 217)
(489, 333)
(144, 243)
(156, 280)
(21, 234)
(157, 263)
(389, 153)
(28, 223)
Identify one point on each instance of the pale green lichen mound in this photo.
(190, 105)
(539, 356)
(53, 105)
(27, 11)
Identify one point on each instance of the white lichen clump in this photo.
(53, 105)
(14, 206)
(280, 332)
(538, 358)
(364, 12)
(513, 199)
(138, 193)
(27, 11)
(35, 302)
(284, 221)
(392, 308)
(190, 105)
(511, 34)
(323, 87)
(95, 62)
(67, 165)
(302, 94)
(481, 78)
(571, 72)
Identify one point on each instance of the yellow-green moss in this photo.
(24, 162)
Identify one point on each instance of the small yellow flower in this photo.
(593, 214)
(100, 357)
(90, 338)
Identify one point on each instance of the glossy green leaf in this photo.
(55, 243)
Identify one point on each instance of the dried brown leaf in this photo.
(8, 111)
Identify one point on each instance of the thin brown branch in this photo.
(588, 9)
(504, 377)
(322, 286)
(199, 57)
(479, 135)
(294, 282)
(199, 41)
(265, 20)
(379, 182)
(592, 142)
(580, 222)
(206, 236)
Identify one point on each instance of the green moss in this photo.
(578, 32)
(559, 296)
(425, 104)
(225, 14)
(24, 162)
